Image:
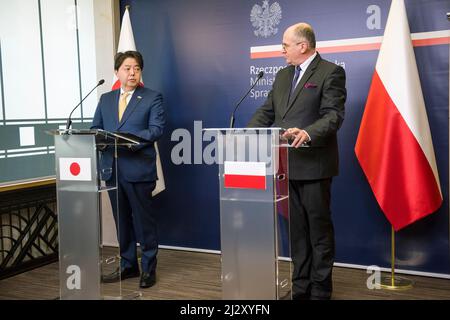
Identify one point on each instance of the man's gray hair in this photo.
(305, 31)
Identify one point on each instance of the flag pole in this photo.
(392, 256)
(391, 282)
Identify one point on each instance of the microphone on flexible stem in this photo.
(69, 121)
(260, 75)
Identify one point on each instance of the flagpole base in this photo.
(400, 283)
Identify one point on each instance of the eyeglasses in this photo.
(287, 46)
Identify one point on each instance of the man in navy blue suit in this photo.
(139, 111)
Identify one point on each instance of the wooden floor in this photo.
(183, 275)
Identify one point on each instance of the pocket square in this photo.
(310, 85)
(139, 97)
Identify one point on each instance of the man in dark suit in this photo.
(136, 110)
(307, 98)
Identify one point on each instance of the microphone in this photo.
(69, 122)
(260, 75)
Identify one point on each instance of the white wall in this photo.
(45, 61)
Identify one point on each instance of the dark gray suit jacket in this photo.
(317, 106)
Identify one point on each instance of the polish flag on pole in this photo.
(394, 145)
(75, 169)
(246, 175)
(126, 43)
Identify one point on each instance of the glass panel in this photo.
(109, 248)
(60, 49)
(252, 233)
(284, 264)
(88, 64)
(82, 199)
(78, 219)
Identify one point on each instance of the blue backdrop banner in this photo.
(203, 55)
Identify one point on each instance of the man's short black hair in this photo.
(121, 56)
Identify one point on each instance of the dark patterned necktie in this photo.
(296, 75)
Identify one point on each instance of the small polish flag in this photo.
(246, 175)
(75, 169)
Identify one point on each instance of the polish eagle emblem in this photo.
(265, 18)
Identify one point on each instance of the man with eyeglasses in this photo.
(307, 98)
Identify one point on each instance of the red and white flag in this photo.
(75, 169)
(126, 43)
(246, 175)
(394, 145)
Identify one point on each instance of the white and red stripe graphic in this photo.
(419, 39)
(394, 145)
(246, 175)
(75, 169)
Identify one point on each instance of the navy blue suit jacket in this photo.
(143, 117)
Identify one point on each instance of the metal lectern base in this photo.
(135, 295)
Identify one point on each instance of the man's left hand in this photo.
(299, 137)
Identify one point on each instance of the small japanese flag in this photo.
(245, 175)
(75, 169)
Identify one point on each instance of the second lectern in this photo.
(254, 213)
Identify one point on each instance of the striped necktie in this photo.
(298, 69)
